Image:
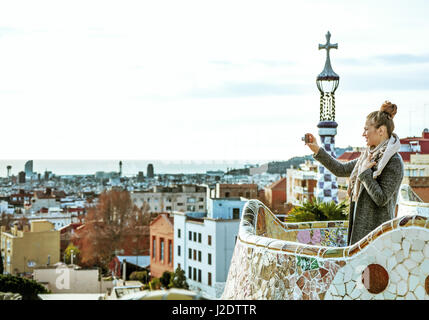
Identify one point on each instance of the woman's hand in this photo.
(368, 163)
(312, 144)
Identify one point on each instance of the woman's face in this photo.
(371, 134)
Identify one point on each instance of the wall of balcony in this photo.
(392, 262)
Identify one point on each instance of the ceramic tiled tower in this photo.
(327, 83)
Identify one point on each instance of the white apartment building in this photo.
(301, 184)
(189, 198)
(203, 246)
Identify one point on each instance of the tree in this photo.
(141, 276)
(178, 280)
(315, 210)
(155, 284)
(68, 253)
(109, 227)
(166, 278)
(28, 289)
(6, 220)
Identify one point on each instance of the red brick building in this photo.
(275, 196)
(161, 245)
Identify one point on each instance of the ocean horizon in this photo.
(129, 167)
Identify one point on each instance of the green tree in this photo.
(315, 210)
(68, 253)
(141, 276)
(28, 289)
(178, 280)
(166, 278)
(155, 284)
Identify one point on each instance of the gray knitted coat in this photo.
(377, 197)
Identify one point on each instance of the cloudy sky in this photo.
(202, 80)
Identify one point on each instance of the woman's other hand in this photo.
(368, 163)
(312, 143)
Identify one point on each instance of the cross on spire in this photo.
(327, 72)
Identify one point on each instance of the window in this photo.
(226, 194)
(199, 237)
(209, 282)
(190, 236)
(201, 207)
(200, 199)
(199, 275)
(209, 259)
(248, 194)
(195, 275)
(168, 208)
(240, 194)
(199, 256)
(178, 233)
(236, 213)
(161, 252)
(170, 249)
(195, 255)
(190, 254)
(180, 203)
(178, 251)
(209, 240)
(178, 265)
(154, 247)
(195, 236)
(189, 273)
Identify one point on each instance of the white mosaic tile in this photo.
(400, 256)
(410, 296)
(417, 256)
(413, 281)
(426, 250)
(391, 263)
(409, 264)
(402, 271)
(406, 245)
(424, 267)
(396, 236)
(350, 286)
(418, 245)
(396, 247)
(402, 288)
(419, 292)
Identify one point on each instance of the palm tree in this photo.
(315, 210)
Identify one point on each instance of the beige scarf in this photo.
(381, 154)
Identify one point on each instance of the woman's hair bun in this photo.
(389, 108)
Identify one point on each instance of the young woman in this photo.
(375, 177)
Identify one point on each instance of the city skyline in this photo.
(196, 80)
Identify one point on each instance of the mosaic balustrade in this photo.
(275, 260)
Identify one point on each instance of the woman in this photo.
(375, 177)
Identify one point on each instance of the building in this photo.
(21, 177)
(263, 168)
(420, 185)
(150, 172)
(29, 169)
(168, 199)
(63, 278)
(66, 236)
(301, 184)
(24, 250)
(161, 245)
(275, 195)
(46, 199)
(229, 190)
(140, 177)
(414, 145)
(204, 244)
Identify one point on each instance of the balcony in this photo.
(310, 261)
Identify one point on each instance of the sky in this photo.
(202, 80)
